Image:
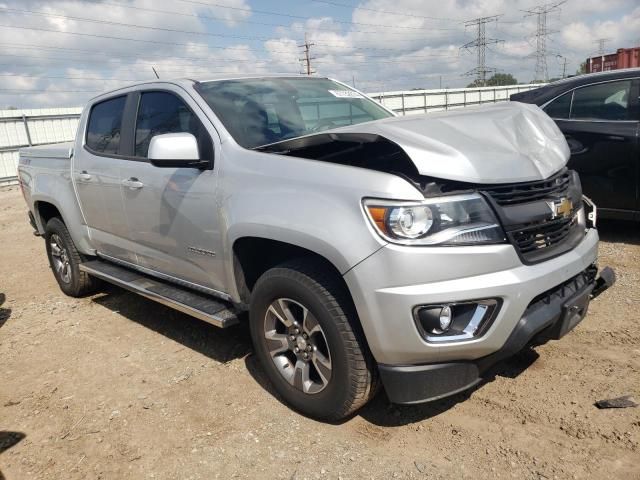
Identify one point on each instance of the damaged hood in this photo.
(499, 143)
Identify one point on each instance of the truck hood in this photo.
(499, 143)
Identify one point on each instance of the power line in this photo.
(133, 25)
(130, 25)
(193, 15)
(542, 32)
(480, 45)
(373, 59)
(388, 12)
(221, 62)
(12, 91)
(408, 56)
(30, 46)
(146, 27)
(298, 17)
(128, 39)
(102, 79)
(244, 20)
(74, 78)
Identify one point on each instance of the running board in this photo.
(215, 312)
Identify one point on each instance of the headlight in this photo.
(452, 220)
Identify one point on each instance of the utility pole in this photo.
(541, 12)
(564, 65)
(480, 44)
(601, 45)
(306, 46)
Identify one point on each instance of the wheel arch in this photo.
(45, 207)
(45, 210)
(254, 255)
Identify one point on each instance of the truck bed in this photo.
(55, 150)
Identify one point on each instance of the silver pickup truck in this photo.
(363, 248)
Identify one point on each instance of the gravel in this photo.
(115, 386)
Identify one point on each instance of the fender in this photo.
(53, 185)
(306, 203)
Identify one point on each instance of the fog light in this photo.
(445, 318)
(455, 321)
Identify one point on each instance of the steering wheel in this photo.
(323, 124)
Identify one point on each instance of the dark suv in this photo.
(599, 115)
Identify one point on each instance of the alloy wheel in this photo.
(60, 257)
(297, 345)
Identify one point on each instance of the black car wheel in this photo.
(65, 259)
(305, 333)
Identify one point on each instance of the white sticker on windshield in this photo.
(345, 94)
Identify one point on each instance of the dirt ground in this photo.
(115, 386)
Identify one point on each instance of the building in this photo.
(623, 58)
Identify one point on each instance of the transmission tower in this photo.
(602, 42)
(480, 44)
(306, 60)
(541, 12)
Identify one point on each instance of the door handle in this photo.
(615, 138)
(84, 176)
(133, 183)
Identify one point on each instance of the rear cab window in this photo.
(104, 126)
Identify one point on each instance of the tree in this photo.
(497, 80)
(582, 69)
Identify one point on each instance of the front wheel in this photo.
(305, 333)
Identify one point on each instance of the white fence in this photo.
(23, 128)
(410, 102)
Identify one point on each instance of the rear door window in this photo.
(105, 123)
(604, 101)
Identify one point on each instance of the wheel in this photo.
(306, 335)
(65, 260)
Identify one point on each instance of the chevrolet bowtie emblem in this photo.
(561, 208)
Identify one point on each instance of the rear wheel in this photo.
(65, 260)
(305, 333)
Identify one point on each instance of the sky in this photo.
(60, 53)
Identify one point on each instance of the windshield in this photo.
(260, 111)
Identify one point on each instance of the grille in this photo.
(528, 192)
(544, 235)
(538, 239)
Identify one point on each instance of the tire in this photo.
(340, 372)
(65, 260)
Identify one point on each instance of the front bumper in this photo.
(388, 285)
(548, 317)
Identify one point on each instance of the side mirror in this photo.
(174, 150)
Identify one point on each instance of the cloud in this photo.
(418, 45)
